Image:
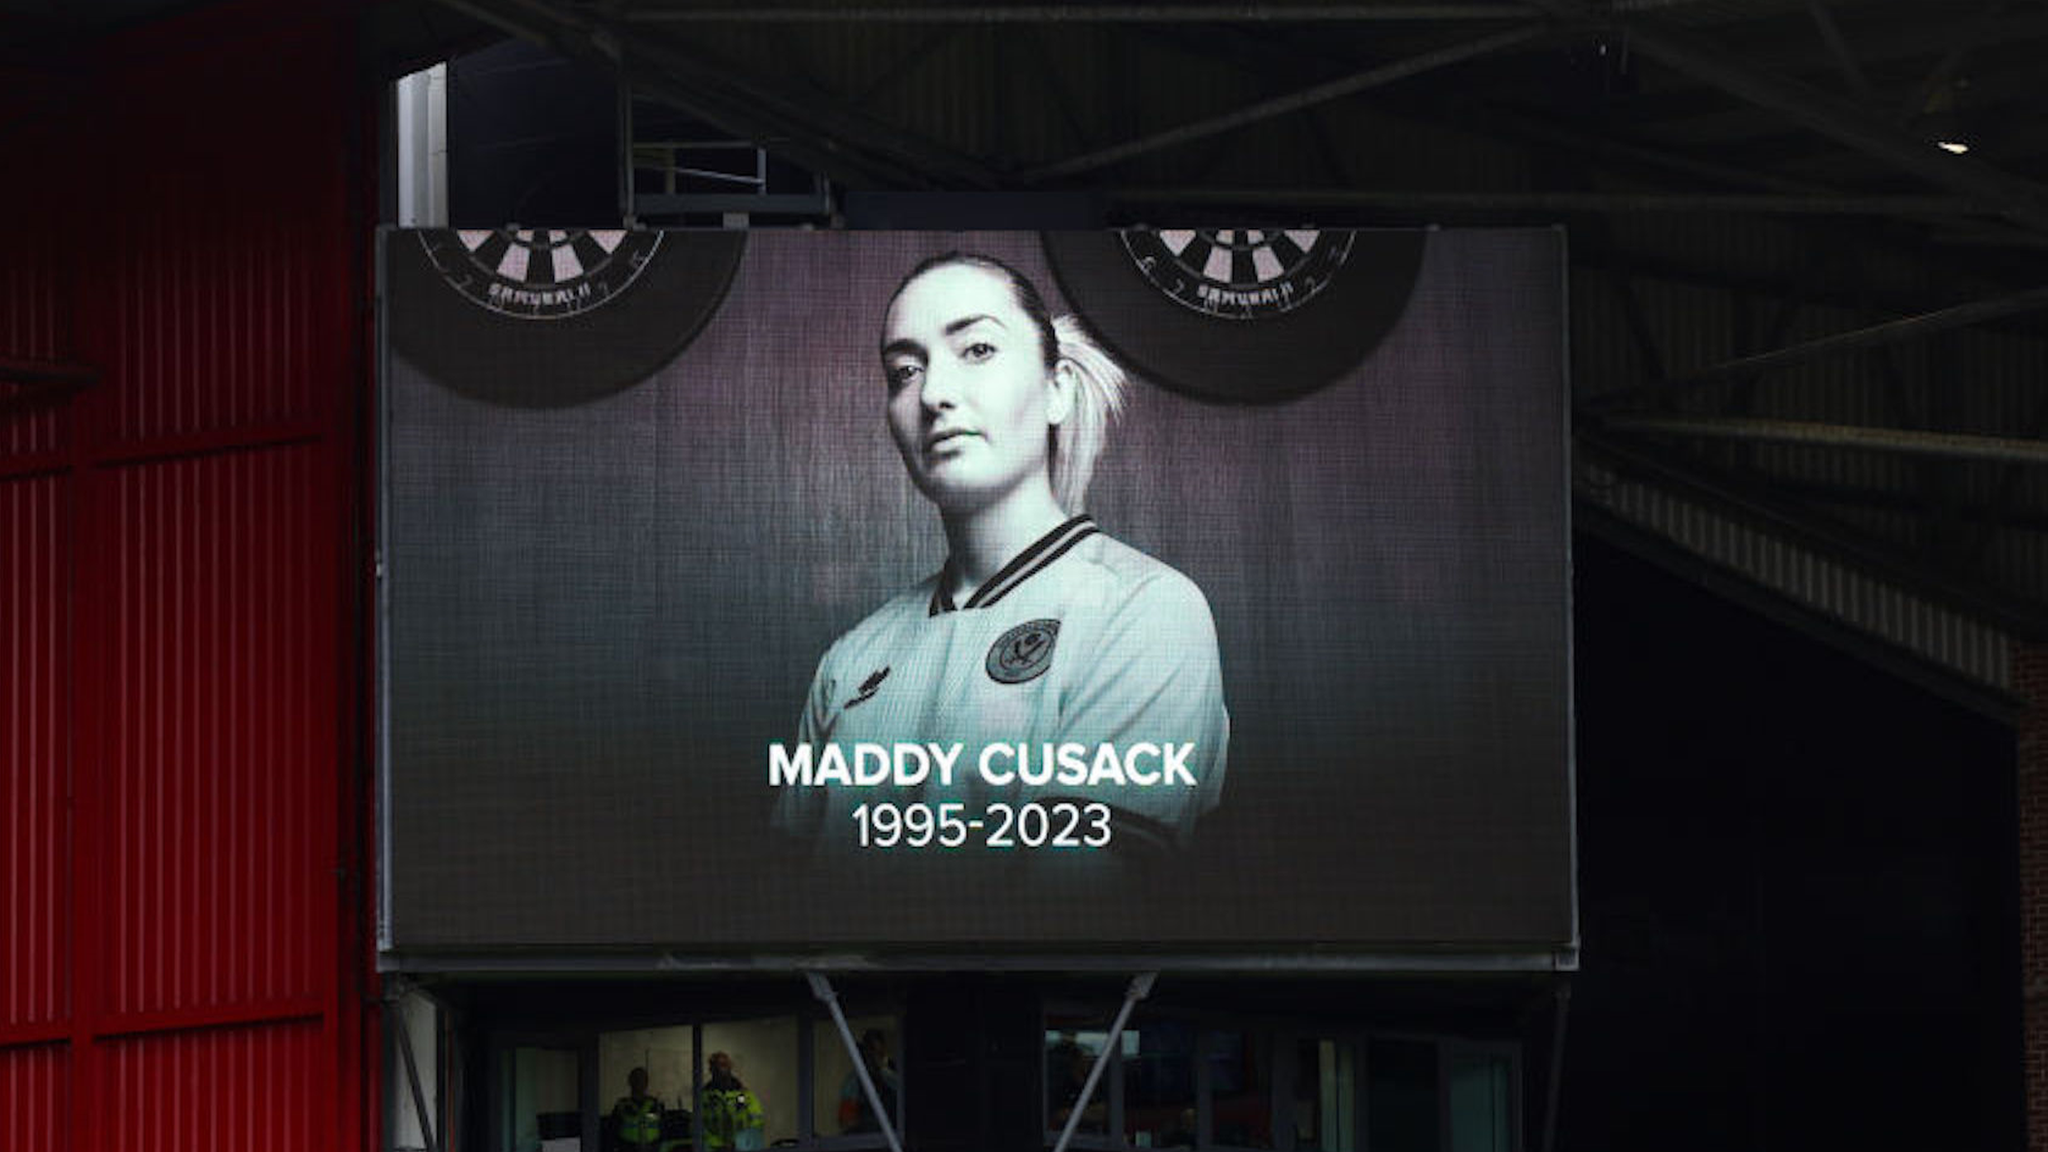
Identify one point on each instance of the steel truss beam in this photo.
(1949, 445)
(2020, 200)
(1556, 201)
(1762, 507)
(1739, 587)
(1877, 335)
(816, 130)
(1081, 14)
(1374, 77)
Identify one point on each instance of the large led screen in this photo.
(1190, 592)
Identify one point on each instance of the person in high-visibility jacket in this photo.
(637, 1115)
(731, 1112)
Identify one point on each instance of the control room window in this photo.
(542, 1113)
(763, 1058)
(665, 1056)
(839, 1107)
(1482, 1095)
(1240, 1088)
(1325, 1095)
(665, 1088)
(1072, 1043)
(1403, 1115)
(1160, 1109)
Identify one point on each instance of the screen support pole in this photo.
(396, 1025)
(1563, 993)
(1141, 987)
(821, 987)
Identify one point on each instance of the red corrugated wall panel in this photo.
(254, 1089)
(219, 736)
(180, 592)
(31, 286)
(34, 1088)
(35, 747)
(219, 305)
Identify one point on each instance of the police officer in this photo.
(731, 1112)
(637, 1115)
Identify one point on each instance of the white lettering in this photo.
(870, 765)
(906, 777)
(1037, 773)
(945, 756)
(1073, 764)
(1142, 777)
(832, 768)
(992, 775)
(787, 768)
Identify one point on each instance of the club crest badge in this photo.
(1023, 653)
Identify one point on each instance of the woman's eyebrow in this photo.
(903, 345)
(966, 322)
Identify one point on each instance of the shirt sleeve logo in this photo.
(868, 688)
(1023, 653)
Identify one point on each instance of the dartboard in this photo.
(1239, 274)
(1239, 315)
(549, 318)
(540, 273)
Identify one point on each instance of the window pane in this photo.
(1071, 1046)
(1481, 1110)
(761, 1107)
(1326, 1096)
(544, 1087)
(1401, 1113)
(1159, 1085)
(838, 1106)
(664, 1054)
(1240, 1090)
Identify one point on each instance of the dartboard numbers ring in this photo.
(1239, 274)
(540, 273)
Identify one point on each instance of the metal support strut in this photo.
(396, 1028)
(1141, 987)
(821, 987)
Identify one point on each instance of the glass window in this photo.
(1071, 1045)
(1325, 1095)
(1159, 1084)
(643, 1080)
(748, 1089)
(542, 1094)
(838, 1105)
(1240, 1069)
(1401, 1111)
(1481, 1101)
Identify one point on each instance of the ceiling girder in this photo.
(2018, 199)
(812, 129)
(1765, 508)
(1612, 202)
(1373, 77)
(1877, 335)
(1838, 48)
(1947, 445)
(1080, 14)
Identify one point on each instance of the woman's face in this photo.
(970, 396)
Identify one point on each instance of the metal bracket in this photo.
(24, 383)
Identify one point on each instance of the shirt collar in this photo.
(1022, 567)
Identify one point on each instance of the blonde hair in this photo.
(1076, 442)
